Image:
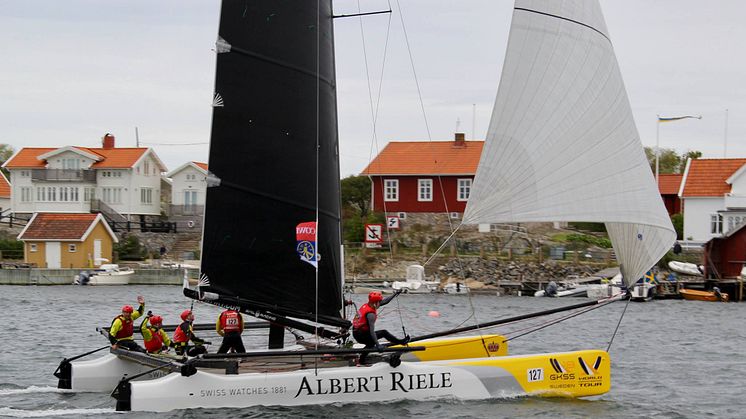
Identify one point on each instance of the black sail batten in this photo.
(271, 73)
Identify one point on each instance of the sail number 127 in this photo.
(535, 374)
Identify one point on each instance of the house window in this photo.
(72, 248)
(391, 190)
(464, 189)
(25, 194)
(71, 164)
(89, 194)
(25, 173)
(32, 247)
(146, 195)
(425, 189)
(716, 224)
(112, 195)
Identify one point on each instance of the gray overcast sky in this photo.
(73, 70)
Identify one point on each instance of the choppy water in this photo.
(670, 359)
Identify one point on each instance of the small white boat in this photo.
(415, 282)
(685, 268)
(609, 289)
(107, 274)
(642, 292)
(564, 290)
(645, 288)
(456, 288)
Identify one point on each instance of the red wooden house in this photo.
(724, 256)
(669, 185)
(417, 176)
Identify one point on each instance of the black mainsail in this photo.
(274, 132)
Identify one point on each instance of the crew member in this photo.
(184, 334)
(120, 333)
(363, 326)
(155, 338)
(230, 327)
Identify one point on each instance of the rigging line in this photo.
(564, 18)
(608, 348)
(316, 230)
(429, 137)
(561, 319)
(178, 144)
(414, 71)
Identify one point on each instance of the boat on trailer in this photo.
(562, 146)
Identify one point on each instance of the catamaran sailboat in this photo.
(561, 146)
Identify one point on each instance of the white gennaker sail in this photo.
(562, 143)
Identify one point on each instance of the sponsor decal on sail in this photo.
(305, 235)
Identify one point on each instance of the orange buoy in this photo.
(433, 313)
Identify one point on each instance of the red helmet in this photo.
(185, 314)
(127, 309)
(156, 320)
(375, 297)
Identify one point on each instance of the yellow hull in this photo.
(458, 348)
(567, 374)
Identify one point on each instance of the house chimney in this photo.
(460, 140)
(108, 141)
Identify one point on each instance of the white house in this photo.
(188, 188)
(73, 178)
(713, 197)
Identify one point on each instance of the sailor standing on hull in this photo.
(363, 325)
(230, 327)
(120, 333)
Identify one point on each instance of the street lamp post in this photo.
(657, 138)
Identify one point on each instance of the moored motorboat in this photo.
(107, 274)
(697, 295)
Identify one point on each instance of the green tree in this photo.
(678, 224)
(688, 155)
(668, 160)
(356, 195)
(129, 248)
(6, 151)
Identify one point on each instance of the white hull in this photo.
(119, 278)
(417, 287)
(642, 292)
(577, 291)
(464, 379)
(685, 268)
(103, 374)
(601, 291)
(456, 289)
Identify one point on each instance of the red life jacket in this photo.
(126, 330)
(180, 336)
(360, 322)
(230, 321)
(155, 344)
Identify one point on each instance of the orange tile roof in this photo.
(47, 226)
(669, 183)
(26, 158)
(426, 157)
(706, 177)
(201, 165)
(113, 158)
(4, 187)
(116, 158)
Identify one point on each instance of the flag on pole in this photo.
(677, 118)
(305, 235)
